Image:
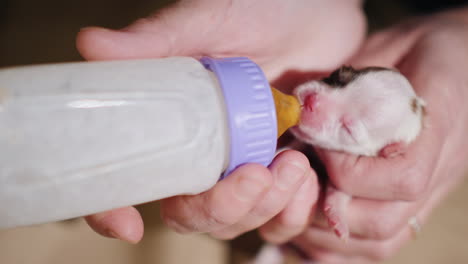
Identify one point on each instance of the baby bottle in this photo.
(85, 137)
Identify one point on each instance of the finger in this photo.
(290, 169)
(405, 177)
(380, 220)
(387, 48)
(96, 43)
(322, 256)
(383, 248)
(376, 250)
(295, 217)
(124, 224)
(225, 204)
(161, 35)
(373, 250)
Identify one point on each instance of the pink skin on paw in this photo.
(336, 203)
(392, 150)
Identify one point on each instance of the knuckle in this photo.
(267, 210)
(175, 225)
(183, 215)
(172, 218)
(214, 219)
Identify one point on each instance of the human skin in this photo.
(278, 35)
(432, 53)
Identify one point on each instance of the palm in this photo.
(432, 54)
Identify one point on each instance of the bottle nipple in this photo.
(288, 110)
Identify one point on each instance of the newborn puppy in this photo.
(372, 112)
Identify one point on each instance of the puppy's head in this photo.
(359, 111)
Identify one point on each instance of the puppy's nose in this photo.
(310, 102)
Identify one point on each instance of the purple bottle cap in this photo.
(250, 109)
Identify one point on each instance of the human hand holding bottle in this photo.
(279, 36)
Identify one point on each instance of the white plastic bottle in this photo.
(80, 138)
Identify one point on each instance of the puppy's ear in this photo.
(393, 149)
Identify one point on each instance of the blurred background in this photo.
(44, 31)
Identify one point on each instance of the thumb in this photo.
(96, 43)
(156, 36)
(388, 47)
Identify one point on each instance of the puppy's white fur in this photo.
(377, 107)
(374, 109)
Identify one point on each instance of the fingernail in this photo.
(111, 234)
(130, 237)
(289, 174)
(249, 188)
